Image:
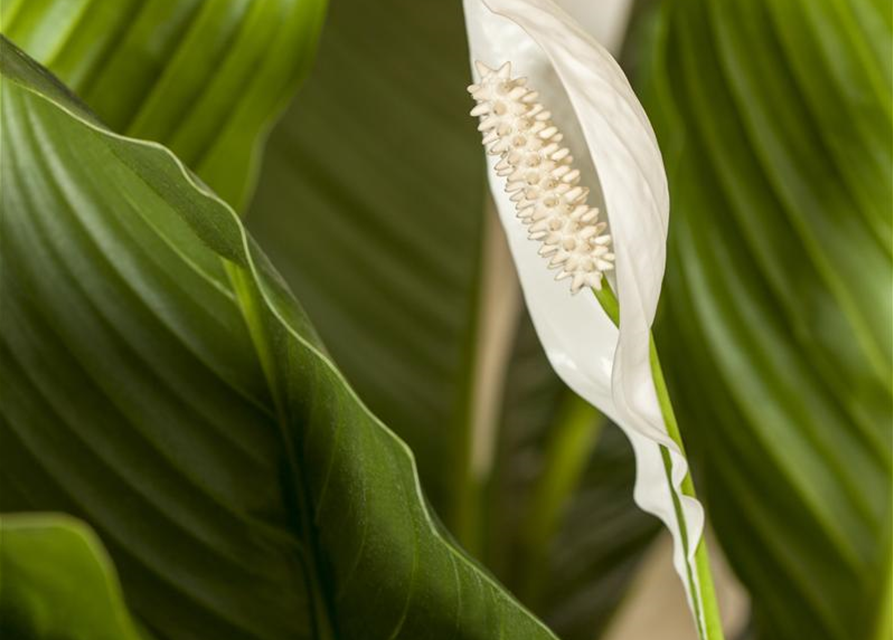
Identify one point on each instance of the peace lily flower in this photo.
(580, 187)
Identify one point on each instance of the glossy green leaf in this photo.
(56, 581)
(207, 78)
(774, 118)
(372, 205)
(160, 382)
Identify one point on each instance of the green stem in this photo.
(571, 442)
(706, 609)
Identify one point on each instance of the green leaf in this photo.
(205, 78)
(160, 382)
(774, 118)
(372, 205)
(57, 581)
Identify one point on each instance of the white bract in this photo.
(616, 155)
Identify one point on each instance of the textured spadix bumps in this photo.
(540, 177)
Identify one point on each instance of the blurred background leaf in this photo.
(775, 120)
(372, 204)
(58, 582)
(206, 78)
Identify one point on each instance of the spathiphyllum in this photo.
(581, 191)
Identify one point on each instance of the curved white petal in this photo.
(616, 150)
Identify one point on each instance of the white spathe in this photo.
(616, 150)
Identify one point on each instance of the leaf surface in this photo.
(205, 78)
